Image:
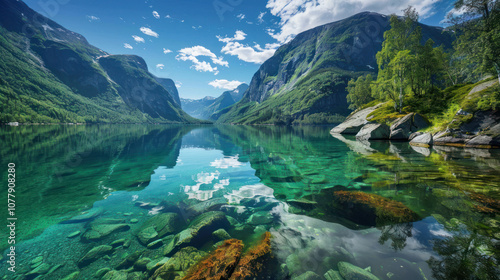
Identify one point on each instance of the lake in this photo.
(151, 193)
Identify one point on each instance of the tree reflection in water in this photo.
(465, 255)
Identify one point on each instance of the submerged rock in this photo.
(73, 234)
(147, 235)
(373, 131)
(178, 263)
(86, 216)
(101, 272)
(333, 275)
(41, 269)
(352, 272)
(129, 260)
(94, 254)
(309, 275)
(219, 264)
(72, 276)
(164, 224)
(255, 260)
(259, 218)
(221, 234)
(115, 275)
(371, 209)
(206, 206)
(99, 231)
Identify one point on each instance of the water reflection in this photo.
(399, 212)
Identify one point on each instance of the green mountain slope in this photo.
(209, 108)
(305, 80)
(51, 74)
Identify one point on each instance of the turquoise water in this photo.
(399, 211)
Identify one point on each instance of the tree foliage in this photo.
(359, 91)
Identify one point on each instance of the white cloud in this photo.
(93, 18)
(260, 18)
(178, 84)
(138, 39)
(168, 16)
(255, 54)
(229, 85)
(241, 17)
(192, 54)
(165, 51)
(128, 46)
(160, 66)
(238, 36)
(149, 32)
(156, 14)
(300, 15)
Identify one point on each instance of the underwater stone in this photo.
(180, 261)
(118, 242)
(41, 269)
(147, 235)
(72, 276)
(129, 260)
(37, 260)
(134, 221)
(232, 221)
(205, 206)
(94, 254)
(352, 272)
(136, 275)
(309, 275)
(164, 223)
(153, 265)
(220, 263)
(259, 218)
(333, 275)
(90, 215)
(142, 264)
(155, 244)
(101, 272)
(255, 260)
(221, 234)
(99, 231)
(115, 275)
(74, 234)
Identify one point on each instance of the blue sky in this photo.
(209, 46)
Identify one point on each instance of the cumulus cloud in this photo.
(160, 66)
(165, 51)
(224, 84)
(156, 14)
(128, 46)
(255, 54)
(93, 18)
(300, 15)
(149, 32)
(238, 36)
(178, 84)
(138, 39)
(192, 54)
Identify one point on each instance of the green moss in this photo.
(385, 114)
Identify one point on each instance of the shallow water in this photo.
(285, 180)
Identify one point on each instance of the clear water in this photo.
(289, 175)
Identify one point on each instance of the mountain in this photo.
(305, 80)
(209, 108)
(51, 74)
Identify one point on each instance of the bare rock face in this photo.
(423, 140)
(402, 128)
(354, 123)
(373, 131)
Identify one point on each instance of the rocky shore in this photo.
(482, 130)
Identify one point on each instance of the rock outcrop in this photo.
(354, 123)
(373, 131)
